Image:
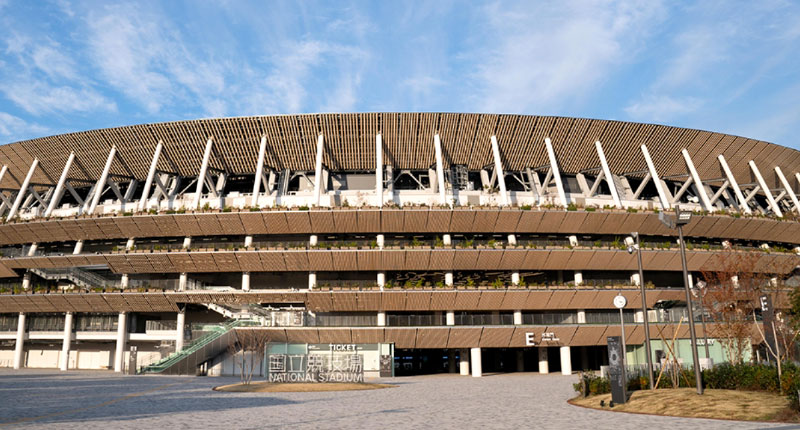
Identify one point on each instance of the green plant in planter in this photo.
(497, 283)
(590, 209)
(439, 284)
(526, 207)
(572, 207)
(206, 207)
(491, 243)
(470, 282)
(438, 242)
(303, 208)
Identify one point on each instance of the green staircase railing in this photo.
(215, 332)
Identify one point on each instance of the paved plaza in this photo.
(43, 398)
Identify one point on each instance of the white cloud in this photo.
(662, 108)
(538, 58)
(40, 98)
(149, 64)
(13, 128)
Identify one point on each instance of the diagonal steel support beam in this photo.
(608, 176)
(22, 190)
(148, 182)
(59, 191)
(498, 167)
(318, 170)
(788, 188)
(202, 175)
(763, 184)
(743, 206)
(262, 149)
(662, 196)
(551, 154)
(101, 183)
(698, 183)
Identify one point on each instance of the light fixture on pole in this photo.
(619, 302)
(636, 247)
(699, 290)
(682, 218)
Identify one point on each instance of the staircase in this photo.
(199, 351)
(79, 277)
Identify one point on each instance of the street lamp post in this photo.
(682, 218)
(644, 308)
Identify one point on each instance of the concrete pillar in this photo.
(581, 316)
(573, 240)
(78, 248)
(245, 281)
(635, 278)
(463, 365)
(517, 317)
(179, 331)
(566, 360)
(248, 241)
(26, 281)
(66, 342)
(125, 281)
(381, 279)
(512, 239)
(313, 240)
(381, 319)
(122, 334)
(638, 317)
(312, 280)
(515, 278)
(450, 318)
(130, 244)
(475, 361)
(381, 240)
(735, 281)
(544, 367)
(182, 281)
(448, 279)
(32, 249)
(187, 242)
(447, 240)
(520, 360)
(578, 278)
(19, 346)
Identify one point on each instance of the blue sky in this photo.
(716, 65)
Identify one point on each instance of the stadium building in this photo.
(432, 242)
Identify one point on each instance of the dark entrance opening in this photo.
(409, 362)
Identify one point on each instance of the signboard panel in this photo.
(316, 368)
(616, 370)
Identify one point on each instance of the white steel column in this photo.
(19, 346)
(517, 317)
(450, 318)
(187, 242)
(378, 170)
(581, 316)
(475, 361)
(78, 247)
(381, 280)
(248, 241)
(514, 278)
(566, 360)
(150, 175)
(182, 281)
(32, 249)
(122, 334)
(765, 188)
(544, 365)
(743, 206)
(551, 154)
(26, 281)
(788, 188)
(498, 168)
(665, 203)
(578, 278)
(463, 364)
(22, 190)
(124, 281)
(179, 329)
(381, 319)
(201, 177)
(437, 146)
(59, 191)
(448, 279)
(607, 173)
(101, 183)
(312, 280)
(262, 149)
(245, 281)
(318, 169)
(698, 183)
(67, 341)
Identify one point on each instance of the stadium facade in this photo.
(431, 241)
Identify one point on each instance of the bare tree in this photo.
(734, 285)
(247, 347)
